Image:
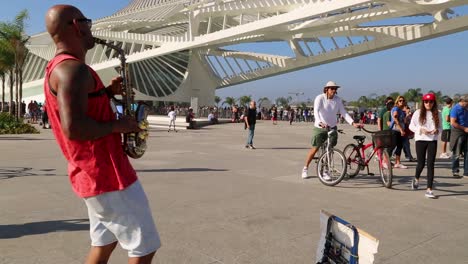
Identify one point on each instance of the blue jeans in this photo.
(407, 148)
(251, 134)
(461, 147)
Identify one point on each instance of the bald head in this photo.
(57, 18)
(70, 30)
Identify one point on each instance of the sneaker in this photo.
(430, 194)
(443, 156)
(325, 176)
(456, 175)
(247, 146)
(414, 184)
(411, 160)
(304, 173)
(400, 166)
(252, 147)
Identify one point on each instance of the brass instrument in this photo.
(134, 144)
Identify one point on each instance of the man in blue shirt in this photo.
(459, 135)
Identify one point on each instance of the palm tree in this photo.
(394, 95)
(284, 102)
(7, 61)
(231, 101)
(245, 100)
(217, 99)
(413, 95)
(363, 101)
(13, 33)
(262, 100)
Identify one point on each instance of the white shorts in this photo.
(123, 216)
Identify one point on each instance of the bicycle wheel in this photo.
(353, 160)
(385, 167)
(331, 167)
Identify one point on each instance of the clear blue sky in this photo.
(437, 64)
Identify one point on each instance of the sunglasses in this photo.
(402, 100)
(88, 21)
(428, 102)
(333, 88)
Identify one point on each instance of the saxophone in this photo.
(134, 144)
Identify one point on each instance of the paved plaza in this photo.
(216, 202)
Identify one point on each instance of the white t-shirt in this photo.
(172, 115)
(325, 110)
(210, 117)
(415, 126)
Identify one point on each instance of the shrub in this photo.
(9, 125)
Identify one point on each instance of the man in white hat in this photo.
(326, 107)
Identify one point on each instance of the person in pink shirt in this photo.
(89, 136)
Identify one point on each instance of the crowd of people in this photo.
(101, 174)
(427, 126)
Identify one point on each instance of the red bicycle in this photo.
(361, 155)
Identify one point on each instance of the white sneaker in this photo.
(304, 173)
(443, 156)
(430, 195)
(400, 166)
(325, 176)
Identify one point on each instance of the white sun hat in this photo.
(332, 84)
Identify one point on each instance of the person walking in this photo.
(459, 135)
(326, 107)
(426, 125)
(86, 129)
(45, 117)
(190, 119)
(408, 135)
(445, 138)
(398, 126)
(250, 119)
(274, 115)
(291, 116)
(172, 118)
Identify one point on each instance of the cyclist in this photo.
(326, 107)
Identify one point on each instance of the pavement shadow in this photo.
(37, 228)
(285, 148)
(24, 138)
(181, 170)
(361, 181)
(14, 172)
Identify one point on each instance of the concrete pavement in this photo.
(216, 202)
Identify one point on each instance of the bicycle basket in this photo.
(384, 139)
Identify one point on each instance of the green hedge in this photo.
(9, 125)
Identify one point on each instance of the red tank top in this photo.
(94, 166)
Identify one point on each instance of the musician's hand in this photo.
(125, 125)
(115, 86)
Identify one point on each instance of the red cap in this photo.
(429, 97)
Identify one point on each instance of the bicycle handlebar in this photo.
(368, 131)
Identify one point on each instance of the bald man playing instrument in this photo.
(89, 136)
